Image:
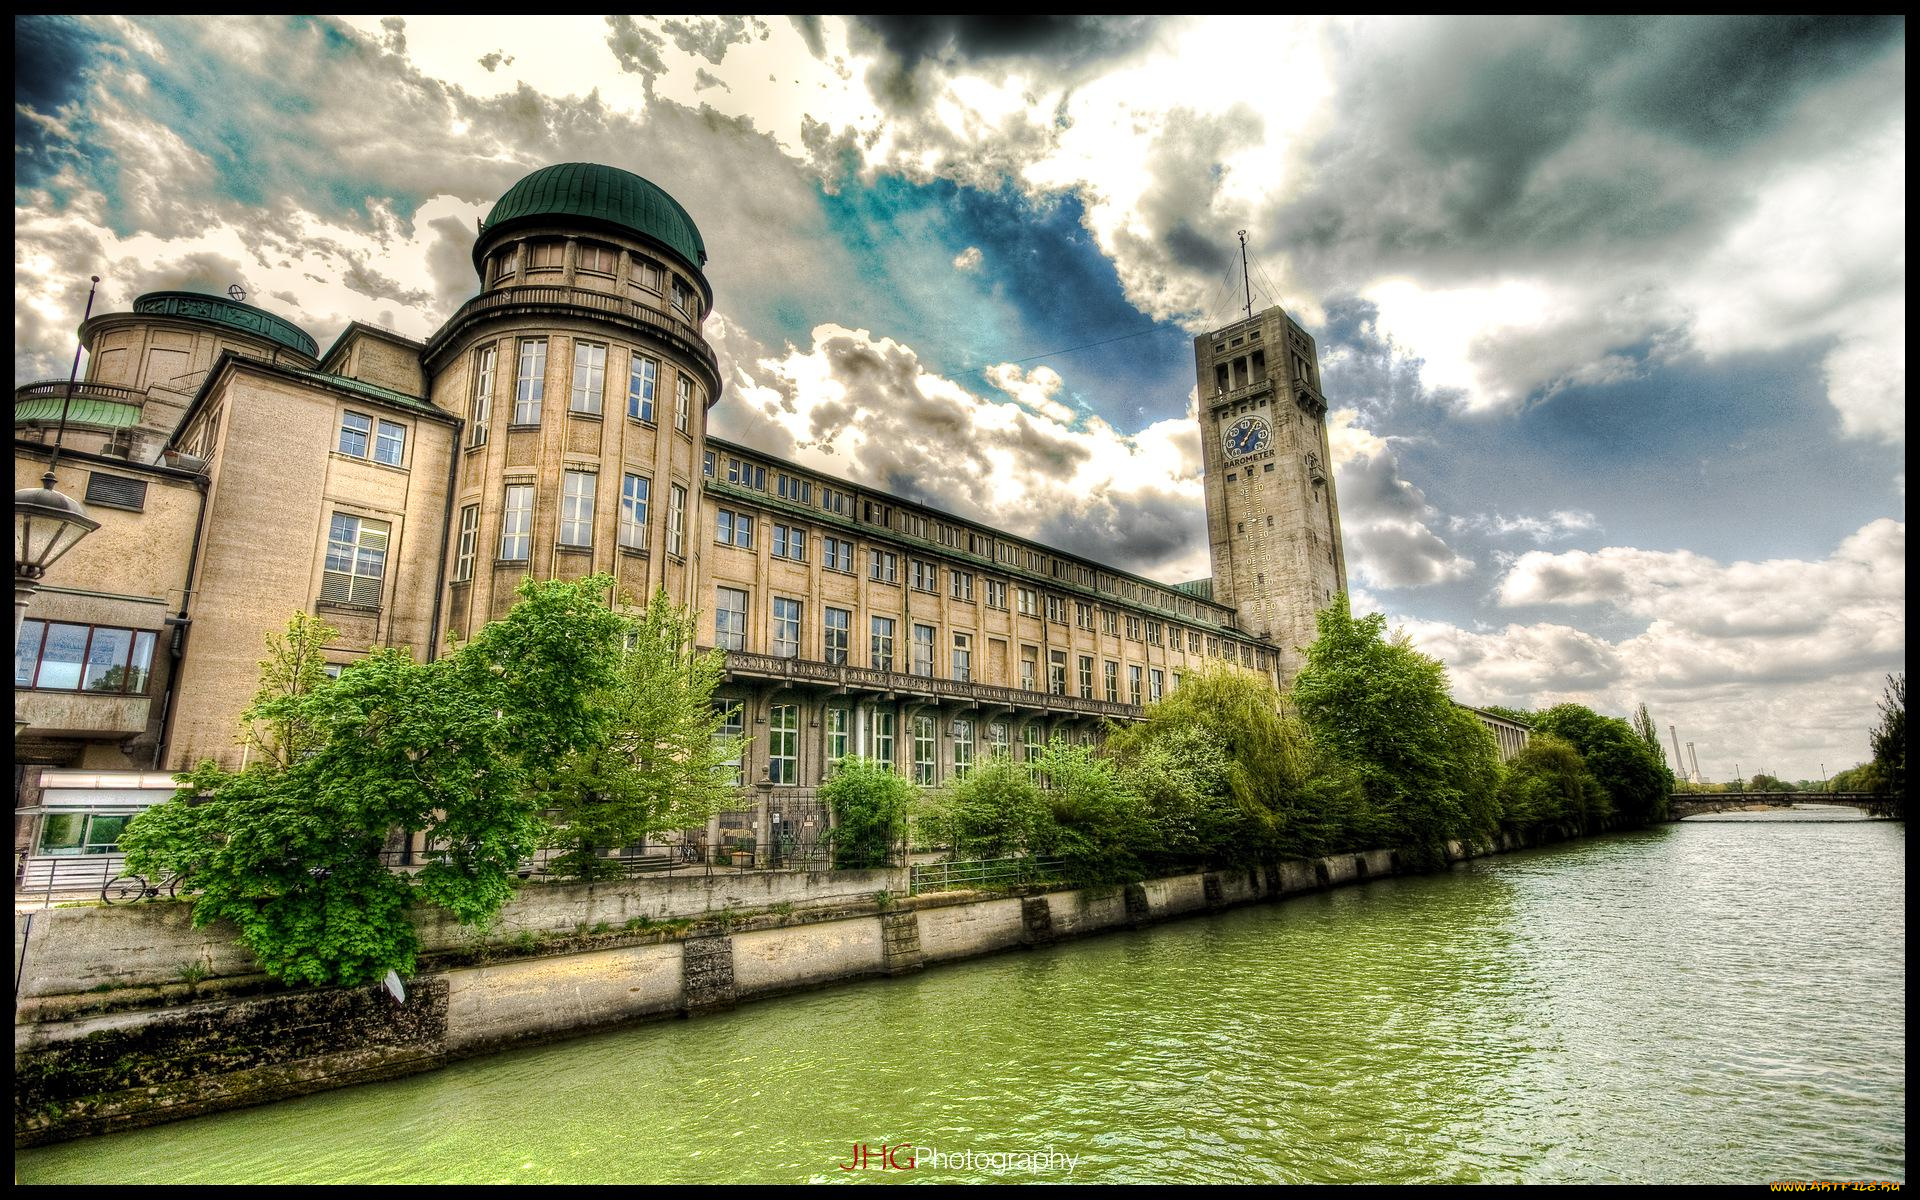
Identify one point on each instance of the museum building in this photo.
(556, 426)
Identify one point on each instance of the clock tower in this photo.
(1272, 521)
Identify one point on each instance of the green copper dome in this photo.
(603, 195)
(219, 309)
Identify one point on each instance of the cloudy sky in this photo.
(1612, 311)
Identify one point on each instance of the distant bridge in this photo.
(1682, 805)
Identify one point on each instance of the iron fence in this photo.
(985, 872)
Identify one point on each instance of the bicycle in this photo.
(132, 889)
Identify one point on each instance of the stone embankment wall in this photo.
(129, 1016)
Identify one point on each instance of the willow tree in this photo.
(1429, 770)
(661, 762)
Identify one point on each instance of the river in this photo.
(1722, 1000)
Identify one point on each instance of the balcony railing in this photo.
(56, 389)
(848, 678)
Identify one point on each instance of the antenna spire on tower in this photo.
(1246, 279)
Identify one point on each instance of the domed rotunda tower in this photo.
(585, 380)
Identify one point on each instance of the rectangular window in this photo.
(963, 657)
(1030, 749)
(530, 385)
(1133, 628)
(356, 560)
(1193, 642)
(786, 628)
(516, 524)
(1112, 681)
(960, 585)
(481, 408)
(747, 474)
(837, 746)
(923, 650)
(676, 519)
(1029, 601)
(1109, 621)
(733, 529)
(706, 464)
(837, 555)
(635, 492)
(682, 298)
(883, 566)
(589, 378)
(839, 636)
(997, 738)
(1133, 684)
(683, 400)
(355, 429)
(1083, 615)
(1153, 633)
(926, 576)
(996, 594)
(883, 738)
(783, 744)
(89, 658)
(733, 724)
(546, 256)
(648, 274)
(1156, 685)
(576, 509)
(923, 751)
(962, 748)
(789, 542)
(883, 643)
(800, 491)
(390, 444)
(642, 376)
(1057, 672)
(1029, 668)
(601, 260)
(833, 502)
(1086, 677)
(729, 618)
(469, 544)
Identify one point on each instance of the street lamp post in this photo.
(46, 524)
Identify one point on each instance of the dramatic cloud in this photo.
(1781, 658)
(1386, 521)
(868, 409)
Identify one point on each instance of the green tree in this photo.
(1769, 783)
(1889, 743)
(280, 731)
(1649, 733)
(288, 848)
(1548, 789)
(995, 812)
(662, 762)
(869, 806)
(1637, 782)
(1860, 777)
(1093, 821)
(1384, 707)
(1224, 773)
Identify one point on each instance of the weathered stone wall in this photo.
(150, 945)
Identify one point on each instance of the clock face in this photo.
(1249, 436)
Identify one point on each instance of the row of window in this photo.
(61, 656)
(578, 498)
(735, 528)
(587, 396)
(1142, 684)
(743, 473)
(971, 741)
(645, 277)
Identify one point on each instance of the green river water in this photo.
(1721, 1000)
